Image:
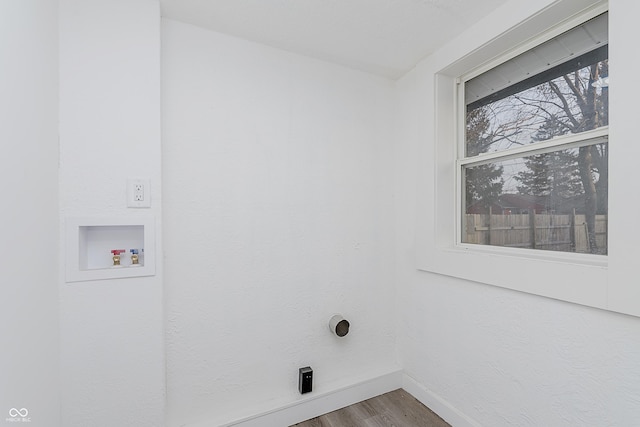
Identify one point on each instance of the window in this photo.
(510, 60)
(534, 163)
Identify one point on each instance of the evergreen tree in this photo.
(483, 184)
(554, 175)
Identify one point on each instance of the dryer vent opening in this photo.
(339, 325)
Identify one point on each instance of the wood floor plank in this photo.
(347, 417)
(415, 414)
(394, 409)
(315, 422)
(380, 421)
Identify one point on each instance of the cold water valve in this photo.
(135, 261)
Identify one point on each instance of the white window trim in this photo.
(577, 278)
(595, 136)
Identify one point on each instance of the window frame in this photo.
(439, 246)
(594, 136)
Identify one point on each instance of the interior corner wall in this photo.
(278, 214)
(29, 215)
(111, 331)
(487, 356)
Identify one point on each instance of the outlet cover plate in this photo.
(138, 193)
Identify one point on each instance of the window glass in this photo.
(540, 189)
(575, 102)
(538, 202)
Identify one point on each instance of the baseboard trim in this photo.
(320, 404)
(437, 404)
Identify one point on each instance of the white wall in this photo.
(112, 347)
(278, 213)
(486, 356)
(29, 214)
(279, 204)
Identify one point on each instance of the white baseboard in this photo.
(444, 409)
(329, 401)
(320, 404)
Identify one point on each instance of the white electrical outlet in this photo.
(138, 193)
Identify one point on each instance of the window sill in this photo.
(587, 260)
(575, 278)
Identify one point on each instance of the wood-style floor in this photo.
(394, 409)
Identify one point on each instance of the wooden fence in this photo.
(567, 233)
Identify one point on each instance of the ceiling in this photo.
(384, 37)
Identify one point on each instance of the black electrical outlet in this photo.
(305, 379)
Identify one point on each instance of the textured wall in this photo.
(278, 214)
(496, 356)
(506, 358)
(112, 353)
(29, 213)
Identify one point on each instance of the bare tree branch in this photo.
(565, 105)
(582, 103)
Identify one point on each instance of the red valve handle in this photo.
(118, 251)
